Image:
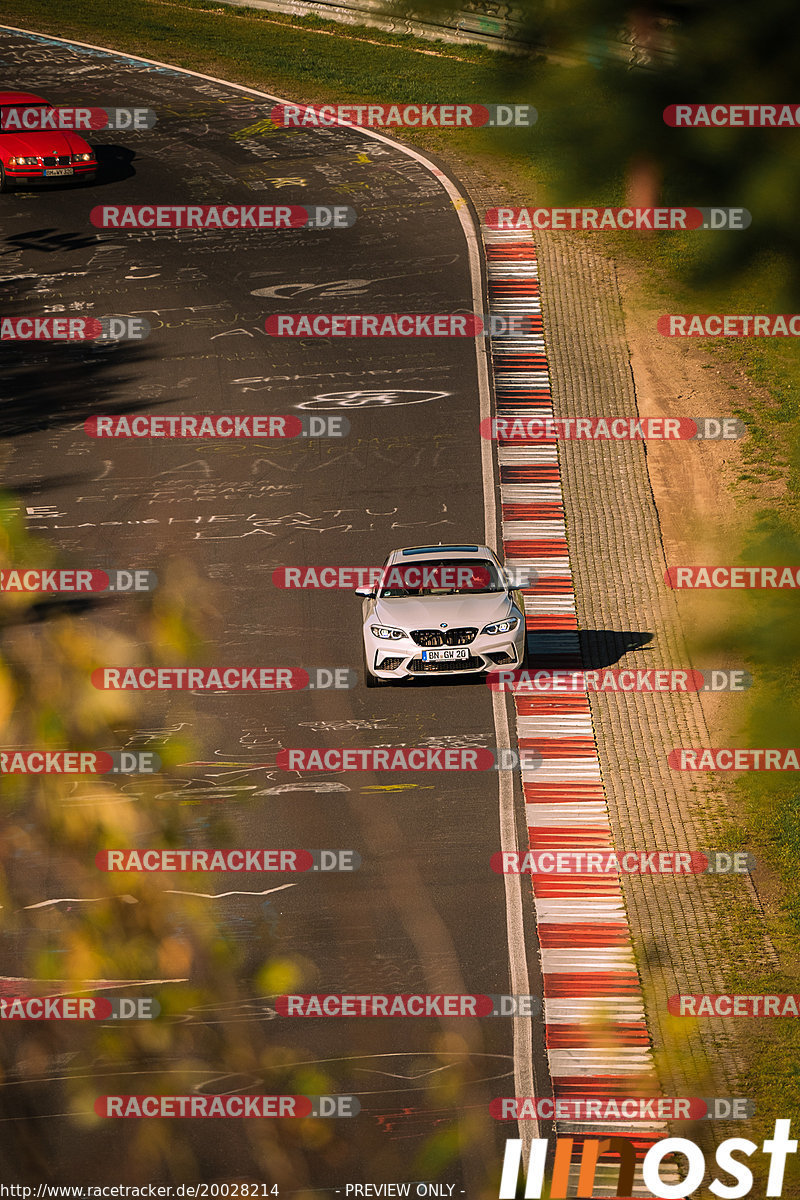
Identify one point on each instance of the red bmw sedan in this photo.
(40, 156)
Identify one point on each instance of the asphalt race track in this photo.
(424, 912)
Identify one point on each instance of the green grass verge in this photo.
(268, 50)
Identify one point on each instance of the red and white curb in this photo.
(595, 1029)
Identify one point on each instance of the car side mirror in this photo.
(367, 592)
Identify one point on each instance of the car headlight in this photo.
(501, 626)
(19, 161)
(83, 158)
(384, 631)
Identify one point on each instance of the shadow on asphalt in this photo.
(44, 386)
(68, 606)
(114, 163)
(605, 647)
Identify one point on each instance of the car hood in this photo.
(428, 612)
(36, 142)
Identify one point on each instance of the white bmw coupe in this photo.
(443, 610)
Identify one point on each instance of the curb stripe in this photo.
(596, 1034)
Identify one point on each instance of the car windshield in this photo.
(17, 125)
(440, 577)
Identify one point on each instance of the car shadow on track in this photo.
(604, 647)
(598, 648)
(114, 163)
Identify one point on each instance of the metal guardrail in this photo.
(479, 22)
(488, 23)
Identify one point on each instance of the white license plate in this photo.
(450, 654)
(58, 171)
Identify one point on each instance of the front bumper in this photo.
(35, 175)
(402, 658)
